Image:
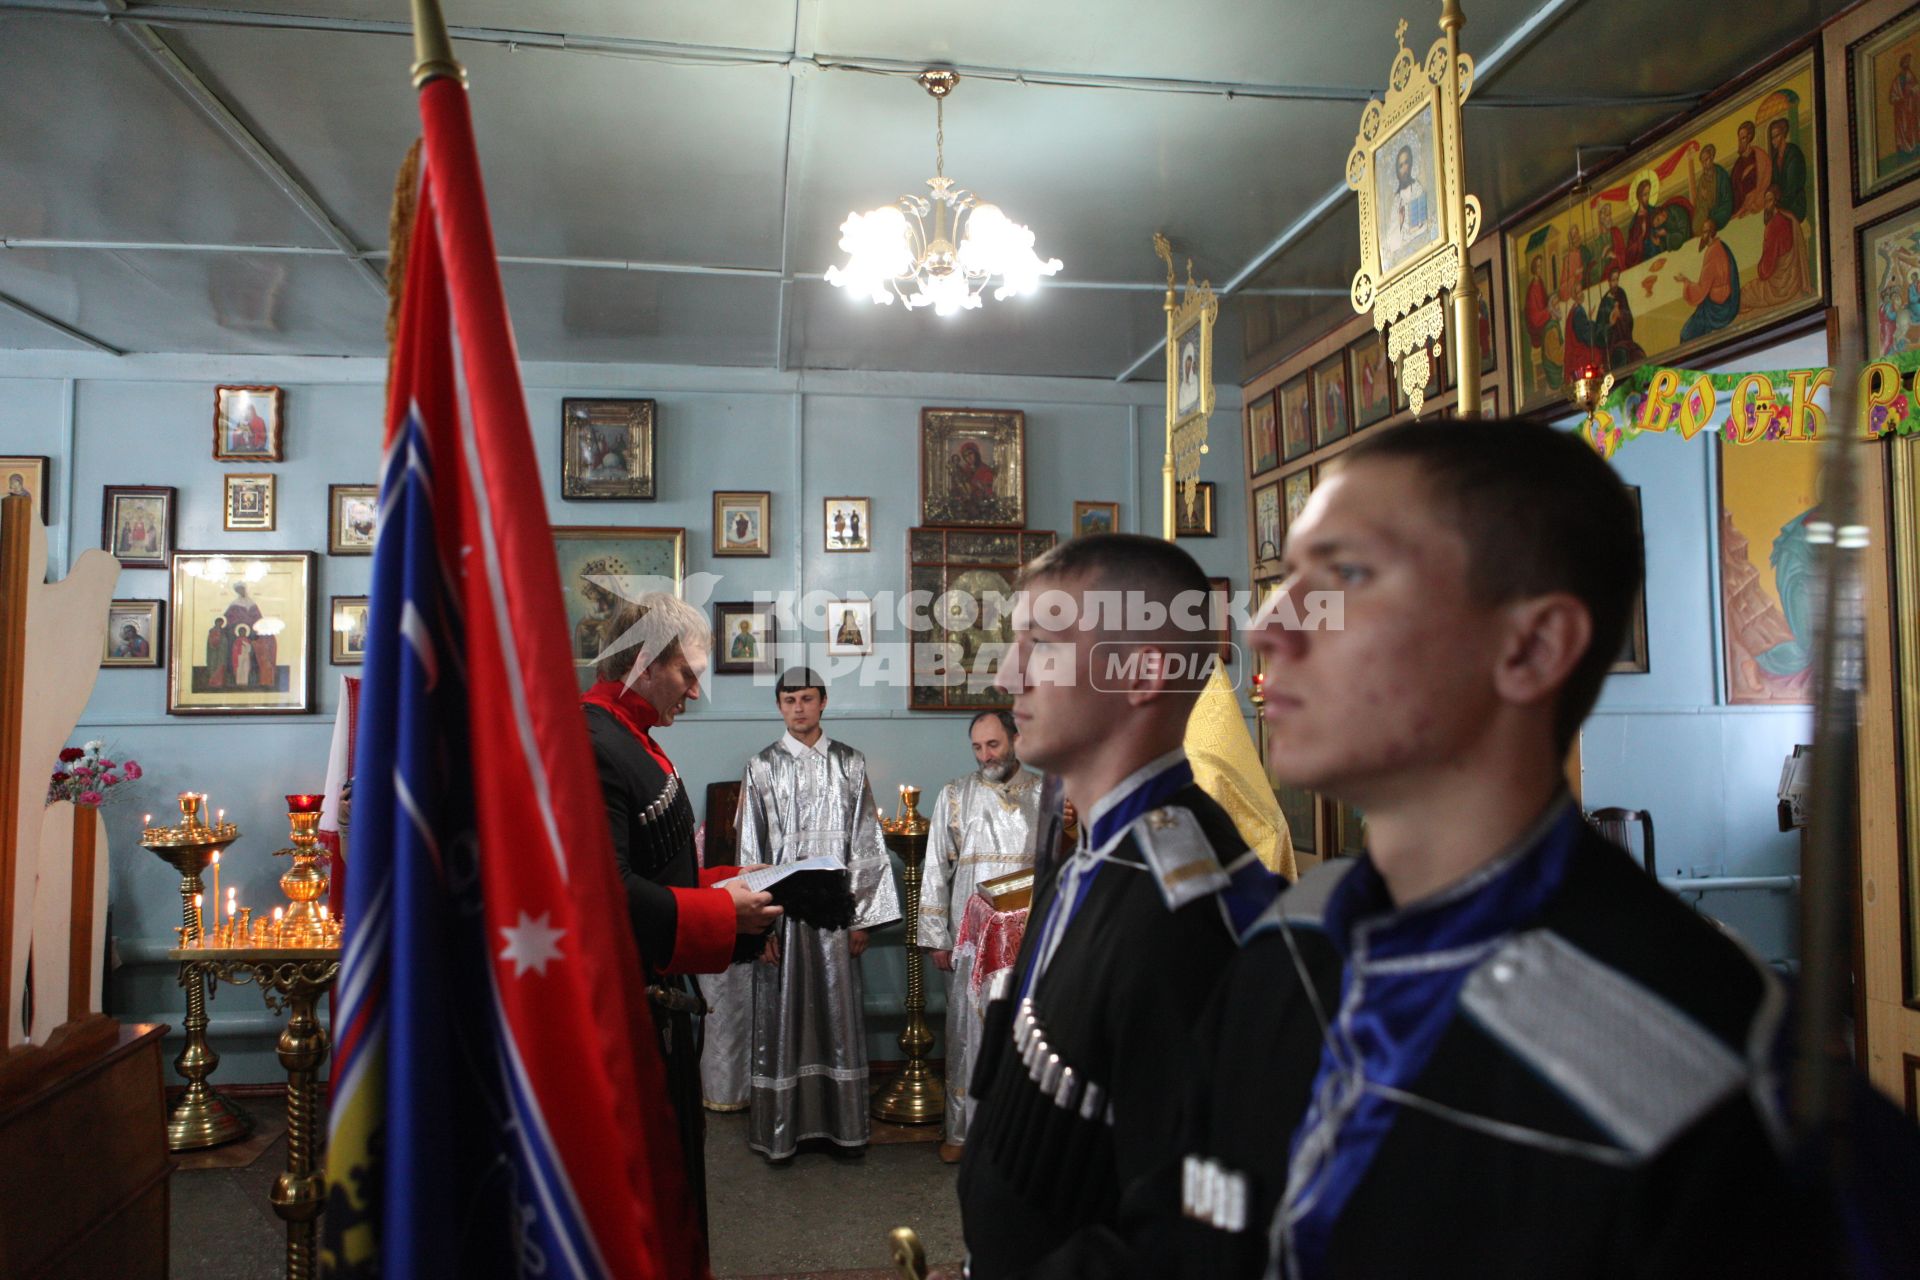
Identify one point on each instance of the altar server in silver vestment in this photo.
(805, 796)
(982, 827)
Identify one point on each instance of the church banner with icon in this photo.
(1704, 235)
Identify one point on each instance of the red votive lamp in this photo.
(304, 803)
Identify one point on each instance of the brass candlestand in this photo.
(202, 1117)
(305, 883)
(290, 978)
(915, 1096)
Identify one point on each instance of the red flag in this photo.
(500, 1105)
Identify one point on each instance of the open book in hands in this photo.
(763, 879)
(815, 890)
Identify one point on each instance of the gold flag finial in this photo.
(1165, 251)
(432, 47)
(1400, 34)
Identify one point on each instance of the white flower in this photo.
(95, 747)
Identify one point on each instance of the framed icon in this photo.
(137, 524)
(241, 636)
(746, 638)
(602, 565)
(973, 468)
(606, 450)
(1263, 434)
(1371, 379)
(849, 628)
(248, 424)
(740, 523)
(1095, 517)
(1633, 652)
(348, 626)
(249, 503)
(136, 633)
(1334, 405)
(26, 477)
(1267, 526)
(847, 524)
(353, 516)
(1193, 509)
(1296, 418)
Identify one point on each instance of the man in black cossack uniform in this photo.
(1126, 935)
(683, 919)
(1492, 1046)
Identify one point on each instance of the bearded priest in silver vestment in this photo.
(805, 796)
(982, 827)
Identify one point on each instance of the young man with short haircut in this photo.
(1491, 1046)
(1075, 1083)
(806, 796)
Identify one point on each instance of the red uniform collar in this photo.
(634, 713)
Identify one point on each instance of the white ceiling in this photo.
(667, 179)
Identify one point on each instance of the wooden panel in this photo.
(15, 514)
(1890, 1027)
(82, 953)
(81, 1160)
(131, 1244)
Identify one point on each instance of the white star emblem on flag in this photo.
(531, 943)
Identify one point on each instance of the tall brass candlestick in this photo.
(915, 1096)
(299, 1194)
(202, 1117)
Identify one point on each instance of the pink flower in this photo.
(82, 771)
(108, 764)
(109, 779)
(133, 771)
(91, 799)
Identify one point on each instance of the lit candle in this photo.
(276, 924)
(199, 929)
(222, 818)
(230, 913)
(216, 875)
(146, 820)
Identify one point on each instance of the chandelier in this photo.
(949, 263)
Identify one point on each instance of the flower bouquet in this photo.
(85, 776)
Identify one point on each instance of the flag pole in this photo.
(1817, 1094)
(432, 47)
(1168, 520)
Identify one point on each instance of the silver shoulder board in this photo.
(1179, 854)
(1637, 1066)
(1304, 902)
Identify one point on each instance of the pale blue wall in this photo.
(148, 420)
(1666, 741)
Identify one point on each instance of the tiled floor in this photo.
(816, 1215)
